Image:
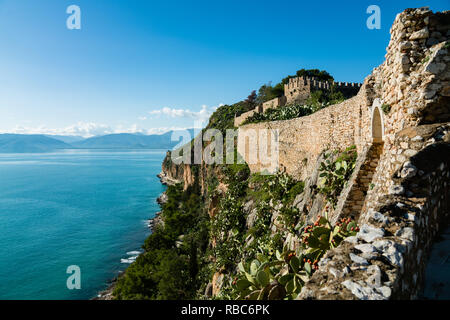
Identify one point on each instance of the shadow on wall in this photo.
(437, 273)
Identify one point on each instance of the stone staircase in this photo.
(351, 200)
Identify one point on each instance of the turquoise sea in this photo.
(76, 207)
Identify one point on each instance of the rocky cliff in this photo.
(377, 164)
(398, 191)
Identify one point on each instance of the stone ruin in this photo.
(297, 91)
(399, 192)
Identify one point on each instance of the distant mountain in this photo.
(130, 141)
(66, 139)
(24, 143)
(34, 143)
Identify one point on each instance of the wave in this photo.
(133, 256)
(126, 261)
(133, 253)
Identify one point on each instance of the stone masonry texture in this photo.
(399, 192)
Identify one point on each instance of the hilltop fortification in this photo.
(297, 91)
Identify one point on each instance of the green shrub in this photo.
(165, 271)
(320, 99)
(282, 276)
(334, 174)
(228, 226)
(281, 113)
(386, 108)
(321, 236)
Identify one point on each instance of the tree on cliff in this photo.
(264, 93)
(321, 75)
(268, 92)
(251, 100)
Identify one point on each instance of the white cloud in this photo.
(201, 115)
(85, 129)
(90, 129)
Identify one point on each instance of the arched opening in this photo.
(369, 159)
(377, 122)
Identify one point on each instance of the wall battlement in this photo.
(297, 91)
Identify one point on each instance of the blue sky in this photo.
(148, 66)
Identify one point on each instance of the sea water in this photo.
(76, 207)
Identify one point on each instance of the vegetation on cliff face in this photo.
(170, 267)
(318, 100)
(336, 173)
(176, 263)
(223, 117)
(280, 113)
(255, 259)
(228, 226)
(237, 241)
(282, 275)
(210, 229)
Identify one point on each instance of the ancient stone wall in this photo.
(240, 120)
(387, 258)
(301, 140)
(297, 91)
(416, 91)
(404, 108)
(414, 82)
(274, 103)
(409, 201)
(348, 88)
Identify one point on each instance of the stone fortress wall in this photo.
(403, 154)
(297, 91)
(302, 140)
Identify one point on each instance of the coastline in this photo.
(107, 294)
(166, 180)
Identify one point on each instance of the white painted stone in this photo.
(358, 259)
(411, 217)
(356, 289)
(395, 258)
(406, 233)
(335, 273)
(377, 216)
(409, 170)
(396, 190)
(366, 248)
(369, 233)
(385, 292)
(352, 239)
(362, 292)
